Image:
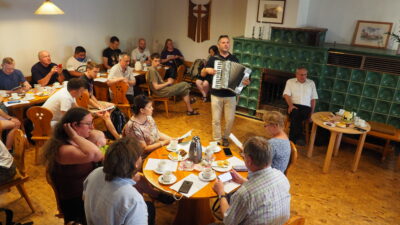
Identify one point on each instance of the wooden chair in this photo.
(180, 73)
(296, 220)
(293, 157)
(119, 90)
(20, 145)
(155, 98)
(41, 118)
(59, 213)
(83, 100)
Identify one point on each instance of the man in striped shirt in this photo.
(264, 197)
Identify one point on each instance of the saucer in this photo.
(212, 177)
(57, 86)
(173, 180)
(159, 172)
(178, 158)
(329, 124)
(216, 149)
(172, 149)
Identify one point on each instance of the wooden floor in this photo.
(369, 196)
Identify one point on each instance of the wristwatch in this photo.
(221, 196)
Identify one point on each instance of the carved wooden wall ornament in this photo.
(199, 20)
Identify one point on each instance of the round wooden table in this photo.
(335, 139)
(195, 210)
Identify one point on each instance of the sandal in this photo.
(204, 99)
(192, 113)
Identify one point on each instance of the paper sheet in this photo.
(230, 186)
(7, 104)
(186, 145)
(152, 164)
(235, 161)
(188, 134)
(197, 185)
(101, 79)
(236, 141)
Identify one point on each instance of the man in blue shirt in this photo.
(109, 193)
(12, 80)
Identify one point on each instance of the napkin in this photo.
(152, 164)
(196, 186)
(235, 161)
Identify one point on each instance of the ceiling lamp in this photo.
(48, 8)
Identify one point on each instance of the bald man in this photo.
(45, 72)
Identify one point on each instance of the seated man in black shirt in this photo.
(45, 72)
(110, 54)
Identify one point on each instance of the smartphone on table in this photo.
(228, 152)
(185, 187)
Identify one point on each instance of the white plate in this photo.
(329, 124)
(172, 149)
(57, 86)
(221, 169)
(173, 180)
(217, 149)
(159, 172)
(180, 158)
(212, 177)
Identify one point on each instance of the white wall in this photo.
(340, 16)
(290, 17)
(89, 23)
(227, 17)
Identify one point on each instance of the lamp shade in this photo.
(48, 8)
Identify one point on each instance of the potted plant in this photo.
(395, 38)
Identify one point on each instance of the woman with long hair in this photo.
(69, 158)
(171, 57)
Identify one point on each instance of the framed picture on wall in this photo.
(270, 11)
(371, 34)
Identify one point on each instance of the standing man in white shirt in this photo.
(76, 64)
(122, 71)
(300, 94)
(64, 99)
(141, 53)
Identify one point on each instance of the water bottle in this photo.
(195, 151)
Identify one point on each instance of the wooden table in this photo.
(195, 210)
(335, 139)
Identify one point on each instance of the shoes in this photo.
(300, 142)
(192, 113)
(165, 198)
(225, 142)
(204, 99)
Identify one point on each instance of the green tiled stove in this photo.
(357, 79)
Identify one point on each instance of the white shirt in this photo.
(140, 56)
(75, 65)
(116, 72)
(6, 158)
(61, 101)
(301, 93)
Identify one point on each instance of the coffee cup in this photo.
(341, 112)
(187, 164)
(173, 144)
(207, 173)
(167, 176)
(213, 145)
(162, 165)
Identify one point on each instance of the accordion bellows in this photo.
(230, 76)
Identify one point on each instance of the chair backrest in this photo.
(19, 151)
(162, 72)
(83, 100)
(180, 73)
(293, 157)
(40, 118)
(296, 220)
(119, 90)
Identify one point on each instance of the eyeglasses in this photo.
(87, 123)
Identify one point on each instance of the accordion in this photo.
(230, 76)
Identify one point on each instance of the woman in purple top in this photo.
(172, 58)
(69, 158)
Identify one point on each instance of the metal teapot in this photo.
(195, 150)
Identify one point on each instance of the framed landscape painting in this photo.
(270, 11)
(371, 34)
